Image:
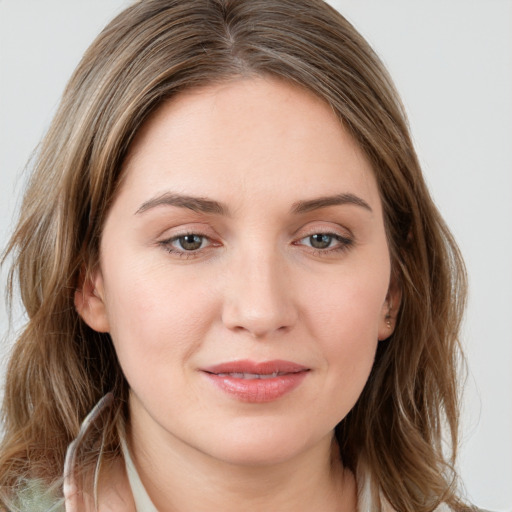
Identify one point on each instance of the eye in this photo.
(326, 242)
(188, 243)
(320, 240)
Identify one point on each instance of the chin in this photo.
(264, 445)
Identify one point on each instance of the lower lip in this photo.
(258, 390)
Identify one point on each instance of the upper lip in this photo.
(253, 367)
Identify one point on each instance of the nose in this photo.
(259, 296)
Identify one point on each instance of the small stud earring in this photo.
(388, 316)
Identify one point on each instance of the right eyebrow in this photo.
(196, 204)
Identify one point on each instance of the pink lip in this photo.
(228, 377)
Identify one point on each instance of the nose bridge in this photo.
(258, 298)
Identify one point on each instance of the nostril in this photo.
(260, 323)
(257, 299)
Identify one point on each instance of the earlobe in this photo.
(390, 310)
(90, 301)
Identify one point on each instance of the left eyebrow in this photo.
(324, 202)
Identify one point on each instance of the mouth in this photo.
(263, 376)
(249, 381)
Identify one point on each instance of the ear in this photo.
(90, 300)
(390, 308)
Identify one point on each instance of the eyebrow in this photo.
(196, 204)
(203, 205)
(324, 202)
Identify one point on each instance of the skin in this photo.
(256, 289)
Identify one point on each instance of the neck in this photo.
(179, 478)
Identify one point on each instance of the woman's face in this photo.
(244, 273)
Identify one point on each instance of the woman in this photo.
(231, 263)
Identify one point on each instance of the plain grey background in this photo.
(452, 63)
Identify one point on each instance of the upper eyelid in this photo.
(325, 230)
(177, 231)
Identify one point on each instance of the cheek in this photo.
(157, 317)
(346, 320)
(349, 306)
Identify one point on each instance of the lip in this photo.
(256, 382)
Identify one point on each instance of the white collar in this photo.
(142, 500)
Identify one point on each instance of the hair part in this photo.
(149, 53)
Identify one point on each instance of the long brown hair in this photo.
(153, 50)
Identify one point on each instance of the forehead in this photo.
(253, 136)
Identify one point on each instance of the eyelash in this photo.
(183, 253)
(344, 244)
